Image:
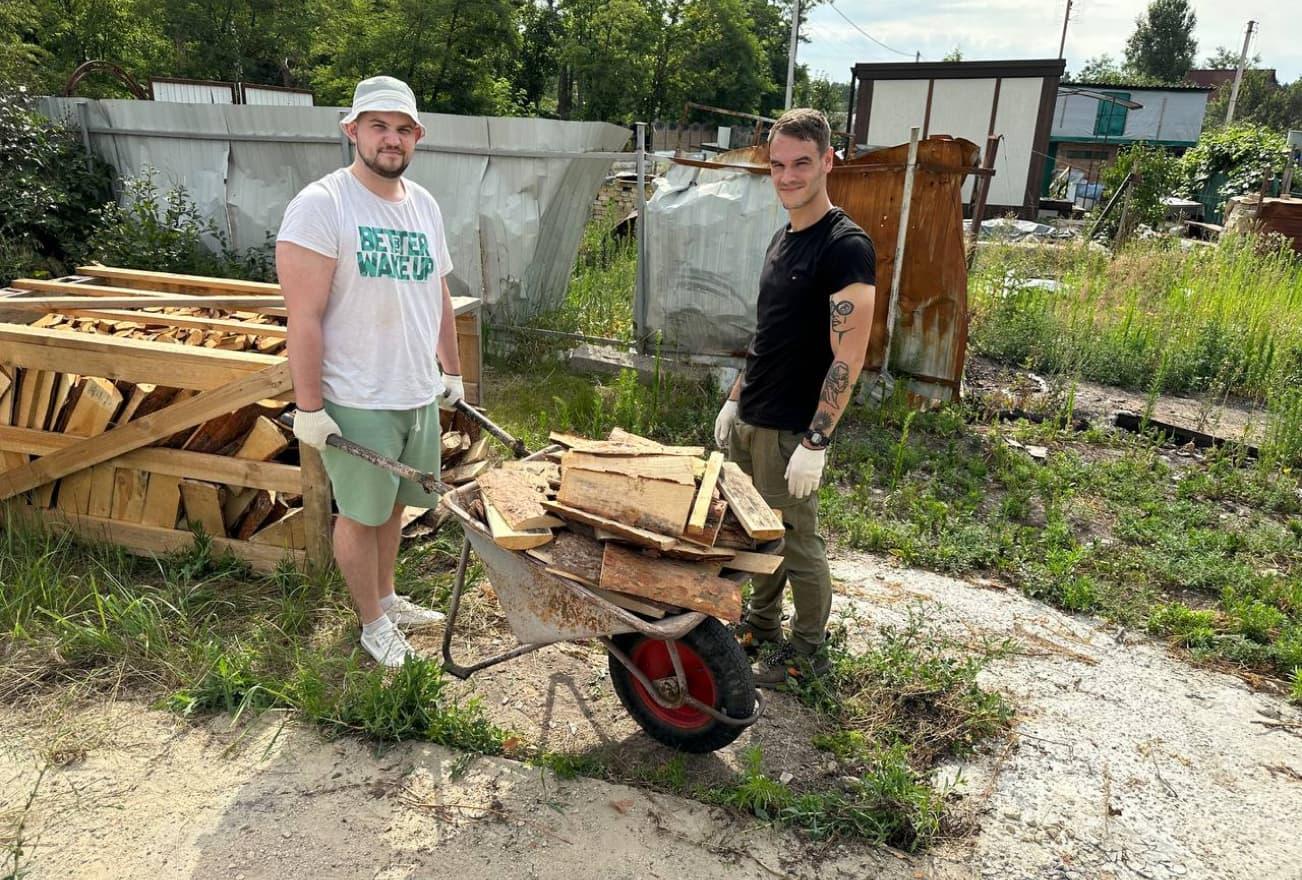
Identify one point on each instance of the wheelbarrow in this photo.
(684, 678)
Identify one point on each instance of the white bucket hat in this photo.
(382, 94)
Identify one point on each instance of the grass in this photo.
(199, 634)
(1226, 319)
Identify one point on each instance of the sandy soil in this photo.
(1126, 762)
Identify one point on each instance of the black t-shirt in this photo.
(792, 350)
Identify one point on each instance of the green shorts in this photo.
(366, 493)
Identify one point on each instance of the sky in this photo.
(988, 30)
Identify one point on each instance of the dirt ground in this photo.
(1228, 418)
(1125, 762)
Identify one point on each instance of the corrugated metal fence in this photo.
(515, 193)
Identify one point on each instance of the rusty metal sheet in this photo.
(930, 340)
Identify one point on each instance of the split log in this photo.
(162, 501)
(129, 494)
(517, 496)
(755, 563)
(675, 583)
(641, 537)
(513, 539)
(264, 441)
(675, 468)
(658, 505)
(746, 503)
(289, 531)
(709, 535)
(203, 506)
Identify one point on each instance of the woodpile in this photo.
(650, 527)
(139, 413)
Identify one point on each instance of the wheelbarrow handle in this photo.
(429, 482)
(516, 445)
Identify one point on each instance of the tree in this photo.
(724, 63)
(1260, 102)
(829, 97)
(1163, 45)
(955, 54)
(1100, 68)
(1228, 59)
(606, 57)
(541, 31)
(265, 41)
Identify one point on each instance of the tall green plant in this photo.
(1240, 153)
(49, 185)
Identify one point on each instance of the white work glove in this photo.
(723, 423)
(312, 427)
(453, 390)
(805, 470)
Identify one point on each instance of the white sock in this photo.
(376, 626)
(386, 602)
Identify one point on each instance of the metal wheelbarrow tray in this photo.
(684, 678)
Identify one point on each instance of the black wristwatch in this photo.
(817, 439)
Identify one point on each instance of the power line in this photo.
(866, 34)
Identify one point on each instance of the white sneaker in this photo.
(405, 612)
(388, 646)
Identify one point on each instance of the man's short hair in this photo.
(806, 124)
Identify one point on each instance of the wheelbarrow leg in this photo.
(454, 606)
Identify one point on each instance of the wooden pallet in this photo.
(139, 423)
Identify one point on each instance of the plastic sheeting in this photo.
(514, 223)
(707, 231)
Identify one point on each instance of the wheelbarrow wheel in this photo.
(717, 672)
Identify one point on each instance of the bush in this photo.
(49, 187)
(1241, 153)
(1158, 175)
(166, 232)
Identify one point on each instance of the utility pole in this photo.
(1238, 74)
(791, 53)
(1062, 44)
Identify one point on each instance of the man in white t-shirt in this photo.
(363, 259)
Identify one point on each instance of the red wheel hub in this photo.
(652, 659)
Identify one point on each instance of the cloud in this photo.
(1002, 29)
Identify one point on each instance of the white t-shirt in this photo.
(381, 323)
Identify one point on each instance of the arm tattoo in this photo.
(836, 383)
(822, 422)
(841, 311)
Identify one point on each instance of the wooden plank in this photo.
(705, 494)
(317, 503)
(513, 539)
(746, 503)
(675, 583)
(134, 360)
(709, 535)
(162, 501)
(464, 473)
(173, 319)
(608, 447)
(129, 489)
(101, 491)
(152, 541)
(141, 432)
(74, 492)
(121, 298)
(147, 280)
(574, 553)
(142, 399)
(731, 534)
(203, 506)
(34, 390)
(213, 468)
(659, 467)
(6, 383)
(623, 531)
(657, 505)
(96, 403)
(516, 495)
(288, 531)
(264, 441)
(756, 563)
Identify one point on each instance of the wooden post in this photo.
(982, 191)
(316, 509)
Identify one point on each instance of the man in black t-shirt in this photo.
(813, 317)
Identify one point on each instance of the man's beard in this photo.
(373, 163)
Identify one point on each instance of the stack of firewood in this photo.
(649, 526)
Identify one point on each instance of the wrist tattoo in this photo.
(836, 383)
(840, 312)
(822, 422)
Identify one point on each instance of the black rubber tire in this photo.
(733, 684)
